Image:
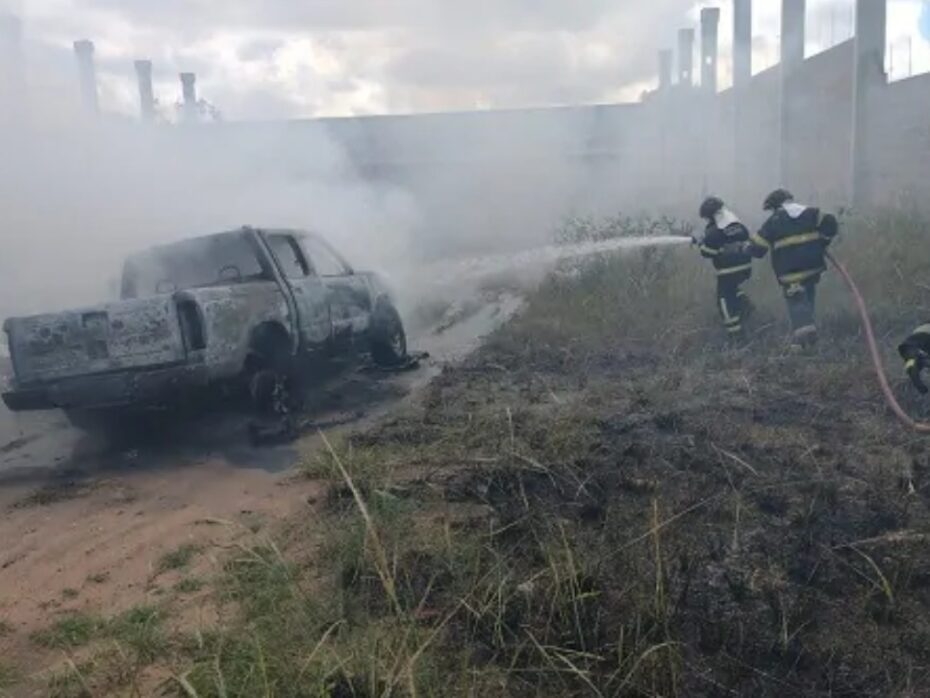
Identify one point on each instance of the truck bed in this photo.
(57, 352)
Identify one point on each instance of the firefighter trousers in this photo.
(732, 302)
(801, 299)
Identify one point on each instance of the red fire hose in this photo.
(905, 418)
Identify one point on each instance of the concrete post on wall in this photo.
(686, 175)
(868, 75)
(665, 70)
(189, 94)
(742, 76)
(146, 92)
(710, 27)
(742, 42)
(87, 74)
(686, 58)
(792, 58)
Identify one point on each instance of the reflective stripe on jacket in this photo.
(725, 247)
(797, 236)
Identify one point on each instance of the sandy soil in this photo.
(94, 544)
(83, 526)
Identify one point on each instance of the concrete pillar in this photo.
(742, 42)
(87, 73)
(665, 70)
(189, 92)
(710, 29)
(869, 76)
(792, 58)
(792, 33)
(146, 93)
(686, 57)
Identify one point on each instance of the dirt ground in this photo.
(93, 544)
(85, 526)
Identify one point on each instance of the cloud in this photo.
(259, 50)
(261, 59)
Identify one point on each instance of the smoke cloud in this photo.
(78, 192)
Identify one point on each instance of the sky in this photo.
(272, 59)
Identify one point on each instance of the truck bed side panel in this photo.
(230, 314)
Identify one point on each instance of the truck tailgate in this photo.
(112, 337)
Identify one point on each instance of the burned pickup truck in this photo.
(238, 308)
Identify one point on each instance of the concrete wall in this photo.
(484, 177)
(745, 135)
(820, 101)
(730, 144)
(900, 148)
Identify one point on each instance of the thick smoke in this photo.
(77, 200)
(78, 192)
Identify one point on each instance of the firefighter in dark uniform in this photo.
(915, 350)
(725, 241)
(797, 237)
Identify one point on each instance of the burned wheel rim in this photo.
(388, 340)
(398, 340)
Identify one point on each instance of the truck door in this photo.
(349, 295)
(310, 295)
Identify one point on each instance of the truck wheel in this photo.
(273, 381)
(268, 390)
(388, 339)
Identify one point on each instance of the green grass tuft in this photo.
(70, 631)
(9, 677)
(140, 629)
(189, 585)
(179, 558)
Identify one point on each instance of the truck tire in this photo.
(272, 379)
(388, 339)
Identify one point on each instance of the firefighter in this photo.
(725, 242)
(915, 350)
(797, 237)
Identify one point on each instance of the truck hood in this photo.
(97, 339)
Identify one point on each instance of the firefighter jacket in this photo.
(797, 237)
(724, 242)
